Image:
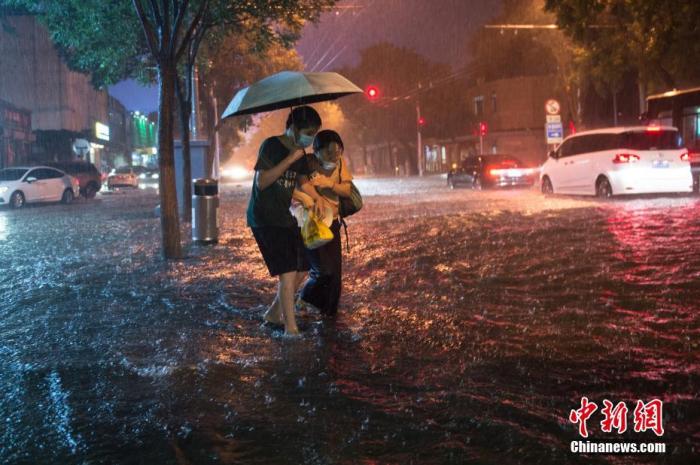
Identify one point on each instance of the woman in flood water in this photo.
(280, 168)
(332, 180)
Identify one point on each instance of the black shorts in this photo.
(282, 249)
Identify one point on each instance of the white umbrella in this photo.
(289, 89)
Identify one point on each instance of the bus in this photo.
(680, 108)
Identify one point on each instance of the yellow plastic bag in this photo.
(315, 233)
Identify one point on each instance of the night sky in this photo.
(437, 29)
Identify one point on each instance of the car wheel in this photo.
(17, 200)
(90, 191)
(547, 186)
(476, 183)
(67, 197)
(603, 189)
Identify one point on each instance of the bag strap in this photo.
(347, 240)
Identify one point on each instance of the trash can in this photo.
(205, 203)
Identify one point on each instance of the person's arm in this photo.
(308, 188)
(343, 189)
(265, 178)
(304, 198)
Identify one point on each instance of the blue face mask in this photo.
(304, 140)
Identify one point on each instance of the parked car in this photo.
(22, 185)
(482, 171)
(124, 176)
(146, 174)
(86, 173)
(619, 161)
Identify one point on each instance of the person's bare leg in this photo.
(301, 276)
(274, 311)
(287, 283)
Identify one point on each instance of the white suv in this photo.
(616, 161)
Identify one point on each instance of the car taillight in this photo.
(626, 158)
(685, 156)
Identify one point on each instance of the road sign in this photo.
(554, 118)
(552, 107)
(555, 133)
(81, 147)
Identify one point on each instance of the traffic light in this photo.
(372, 93)
(421, 121)
(483, 128)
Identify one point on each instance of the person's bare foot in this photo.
(273, 315)
(291, 330)
(290, 326)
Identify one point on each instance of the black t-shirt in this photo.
(270, 207)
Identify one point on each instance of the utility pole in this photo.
(419, 140)
(194, 121)
(217, 143)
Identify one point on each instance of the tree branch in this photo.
(180, 13)
(148, 30)
(167, 33)
(156, 12)
(191, 30)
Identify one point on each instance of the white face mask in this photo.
(327, 165)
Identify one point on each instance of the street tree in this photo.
(657, 39)
(135, 38)
(230, 64)
(261, 24)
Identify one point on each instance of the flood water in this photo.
(471, 324)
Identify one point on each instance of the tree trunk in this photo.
(185, 112)
(169, 220)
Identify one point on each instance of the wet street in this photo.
(471, 324)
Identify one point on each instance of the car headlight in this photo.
(3, 189)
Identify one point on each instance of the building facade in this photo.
(15, 135)
(512, 112)
(64, 105)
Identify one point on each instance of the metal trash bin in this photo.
(205, 203)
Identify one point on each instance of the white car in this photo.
(124, 176)
(618, 161)
(22, 185)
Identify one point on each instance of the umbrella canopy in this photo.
(289, 89)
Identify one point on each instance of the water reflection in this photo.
(471, 324)
(4, 226)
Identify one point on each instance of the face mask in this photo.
(304, 140)
(327, 165)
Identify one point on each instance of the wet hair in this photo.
(303, 118)
(324, 138)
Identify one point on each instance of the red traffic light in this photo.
(483, 128)
(372, 92)
(421, 121)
